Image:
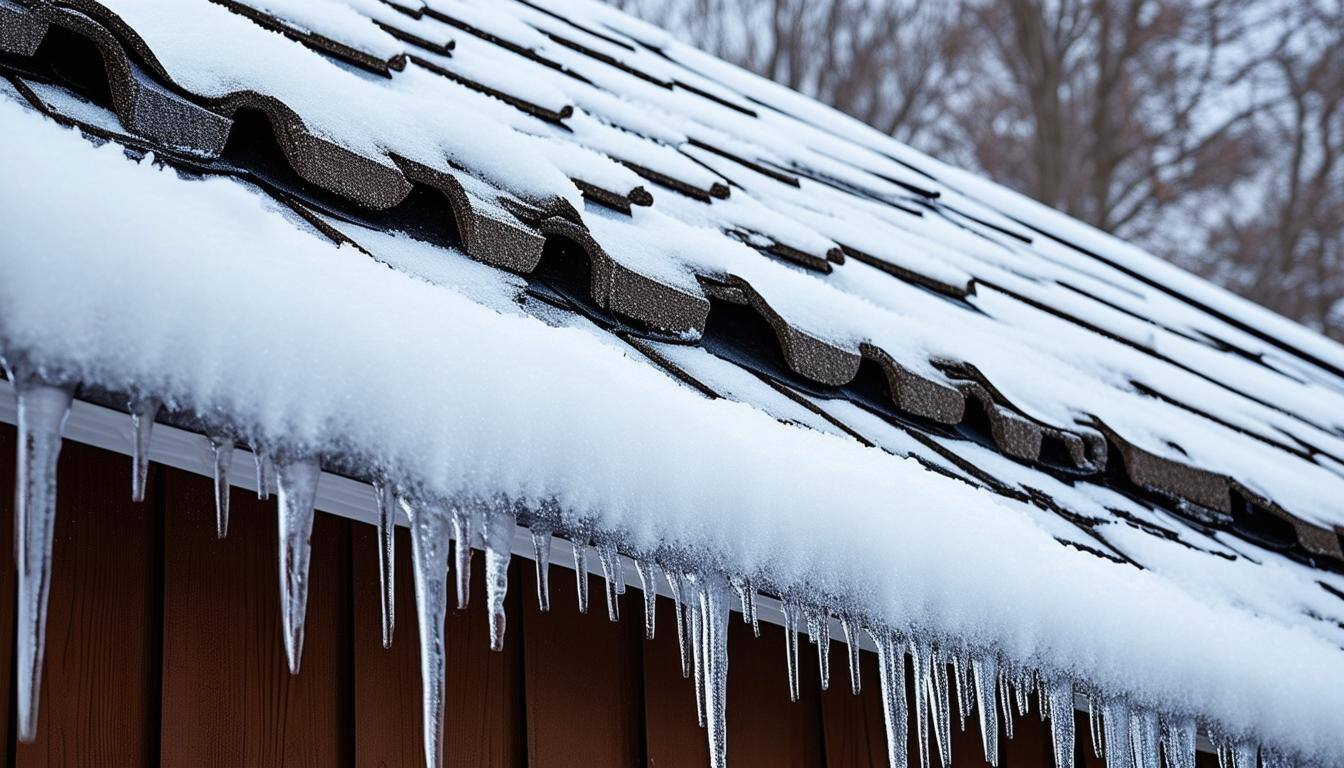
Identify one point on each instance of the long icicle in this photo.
(143, 411)
(1115, 726)
(697, 630)
(221, 455)
(919, 656)
(824, 647)
(497, 534)
(891, 683)
(296, 489)
(648, 585)
(1059, 701)
(541, 551)
(1006, 701)
(429, 560)
(676, 584)
(1144, 739)
(852, 646)
(985, 671)
(462, 534)
(960, 673)
(387, 555)
(42, 409)
(714, 605)
(581, 572)
(790, 608)
(942, 714)
(1094, 708)
(1178, 742)
(611, 577)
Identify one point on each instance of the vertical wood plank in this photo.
(764, 727)
(483, 719)
(9, 446)
(228, 697)
(1030, 746)
(854, 728)
(672, 736)
(99, 693)
(583, 679)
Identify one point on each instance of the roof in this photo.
(685, 233)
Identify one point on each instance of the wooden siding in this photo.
(164, 648)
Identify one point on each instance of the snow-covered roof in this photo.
(641, 298)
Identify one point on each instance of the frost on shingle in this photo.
(561, 162)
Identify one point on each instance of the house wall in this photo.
(163, 648)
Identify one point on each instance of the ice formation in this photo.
(221, 460)
(385, 498)
(430, 525)
(296, 487)
(42, 409)
(143, 411)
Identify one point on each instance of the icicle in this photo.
(985, 670)
(810, 616)
(822, 620)
(581, 572)
(262, 460)
(1094, 724)
(143, 410)
(1058, 699)
(751, 608)
(961, 666)
(296, 489)
(648, 584)
(611, 575)
(740, 587)
(1178, 742)
(541, 550)
(429, 560)
(462, 533)
(791, 610)
(1115, 726)
(692, 607)
(387, 521)
(891, 682)
(1143, 739)
(1006, 702)
(1022, 687)
(675, 584)
(714, 605)
(852, 646)
(1244, 754)
(942, 715)
(1270, 758)
(746, 594)
(221, 454)
(42, 409)
(919, 655)
(497, 533)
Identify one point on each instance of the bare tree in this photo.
(886, 62)
(1285, 246)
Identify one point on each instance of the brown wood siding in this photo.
(164, 648)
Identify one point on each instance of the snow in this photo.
(317, 349)
(198, 42)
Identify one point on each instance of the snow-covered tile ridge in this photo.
(196, 293)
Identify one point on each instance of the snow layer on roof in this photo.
(198, 291)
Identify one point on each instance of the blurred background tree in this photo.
(1208, 131)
